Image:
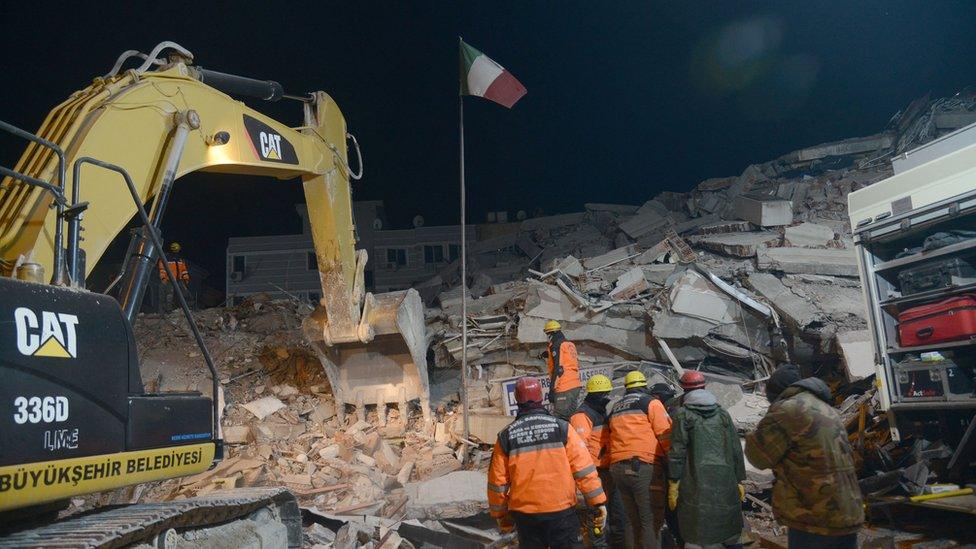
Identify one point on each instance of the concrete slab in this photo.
(484, 427)
(764, 211)
(455, 495)
(809, 235)
(857, 354)
(613, 208)
(738, 244)
(645, 223)
(629, 285)
(794, 310)
(830, 262)
(613, 256)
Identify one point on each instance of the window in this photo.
(238, 264)
(310, 262)
(396, 256)
(454, 251)
(434, 254)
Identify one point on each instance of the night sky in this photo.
(625, 99)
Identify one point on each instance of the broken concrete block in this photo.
(645, 223)
(323, 412)
(613, 208)
(653, 206)
(629, 285)
(798, 313)
(365, 460)
(764, 211)
(570, 266)
(715, 183)
(809, 235)
(725, 227)
(610, 258)
(693, 296)
(302, 481)
(440, 432)
(738, 244)
(237, 434)
(484, 427)
(403, 477)
(857, 354)
(458, 494)
(330, 452)
(845, 147)
(264, 407)
(830, 262)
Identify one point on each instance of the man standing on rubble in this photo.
(640, 431)
(590, 423)
(536, 466)
(705, 469)
(565, 385)
(804, 442)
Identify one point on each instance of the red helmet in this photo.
(528, 389)
(691, 380)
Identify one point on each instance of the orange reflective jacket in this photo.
(179, 269)
(639, 427)
(536, 466)
(591, 426)
(566, 376)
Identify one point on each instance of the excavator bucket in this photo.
(390, 368)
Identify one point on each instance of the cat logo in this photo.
(270, 146)
(52, 335)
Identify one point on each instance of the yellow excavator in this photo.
(81, 420)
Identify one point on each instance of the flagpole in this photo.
(464, 270)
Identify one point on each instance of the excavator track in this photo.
(142, 523)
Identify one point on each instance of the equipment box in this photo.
(918, 381)
(933, 275)
(952, 319)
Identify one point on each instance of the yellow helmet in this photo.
(174, 247)
(551, 326)
(599, 384)
(635, 379)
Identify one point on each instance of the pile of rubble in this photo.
(282, 427)
(733, 277)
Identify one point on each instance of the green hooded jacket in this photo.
(804, 442)
(706, 456)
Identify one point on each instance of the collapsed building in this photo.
(732, 278)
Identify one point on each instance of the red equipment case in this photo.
(952, 319)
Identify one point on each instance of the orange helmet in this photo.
(691, 380)
(528, 389)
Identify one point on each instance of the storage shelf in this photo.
(948, 346)
(924, 256)
(929, 296)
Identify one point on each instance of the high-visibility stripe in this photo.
(594, 493)
(536, 448)
(496, 488)
(584, 471)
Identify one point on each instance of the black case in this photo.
(955, 271)
(944, 380)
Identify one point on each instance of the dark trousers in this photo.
(617, 524)
(543, 530)
(799, 539)
(565, 404)
(633, 480)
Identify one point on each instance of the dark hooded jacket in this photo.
(804, 442)
(706, 457)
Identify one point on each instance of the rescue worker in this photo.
(565, 385)
(804, 442)
(178, 265)
(639, 438)
(590, 423)
(662, 514)
(705, 469)
(536, 466)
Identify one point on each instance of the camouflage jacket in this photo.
(805, 444)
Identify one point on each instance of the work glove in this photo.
(673, 494)
(742, 492)
(505, 524)
(600, 518)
